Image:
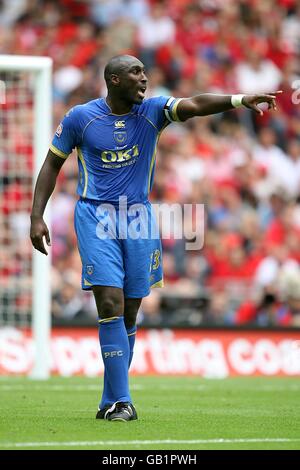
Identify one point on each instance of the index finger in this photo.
(278, 92)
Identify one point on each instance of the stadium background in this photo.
(244, 168)
(240, 293)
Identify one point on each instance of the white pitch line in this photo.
(146, 442)
(58, 388)
(80, 388)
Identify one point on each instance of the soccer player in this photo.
(116, 140)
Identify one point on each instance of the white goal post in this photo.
(40, 70)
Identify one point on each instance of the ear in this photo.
(115, 79)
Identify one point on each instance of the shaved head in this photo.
(119, 64)
(126, 82)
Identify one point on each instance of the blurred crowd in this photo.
(243, 167)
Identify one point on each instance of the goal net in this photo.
(25, 128)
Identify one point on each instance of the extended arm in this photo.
(43, 189)
(208, 103)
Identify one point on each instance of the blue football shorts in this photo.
(119, 247)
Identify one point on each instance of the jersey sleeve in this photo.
(67, 135)
(161, 110)
(170, 109)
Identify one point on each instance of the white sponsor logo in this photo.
(119, 124)
(160, 352)
(113, 354)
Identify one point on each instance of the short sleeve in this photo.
(67, 135)
(161, 110)
(170, 109)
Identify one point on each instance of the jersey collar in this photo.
(107, 107)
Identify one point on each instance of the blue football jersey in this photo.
(116, 153)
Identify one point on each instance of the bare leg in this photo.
(131, 308)
(109, 301)
(130, 312)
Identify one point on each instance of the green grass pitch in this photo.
(174, 413)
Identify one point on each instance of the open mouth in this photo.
(141, 92)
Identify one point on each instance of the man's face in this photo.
(133, 82)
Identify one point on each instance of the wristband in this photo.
(236, 100)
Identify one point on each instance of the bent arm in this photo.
(43, 189)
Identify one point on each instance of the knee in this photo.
(109, 301)
(110, 307)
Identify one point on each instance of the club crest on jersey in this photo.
(120, 137)
(89, 269)
(59, 130)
